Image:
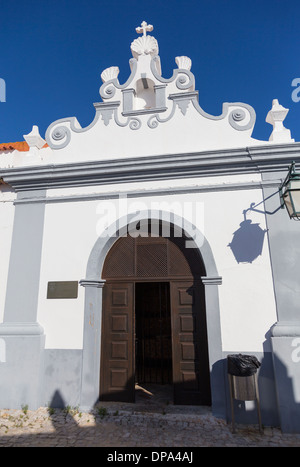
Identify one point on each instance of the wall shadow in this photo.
(247, 242)
(108, 429)
(106, 425)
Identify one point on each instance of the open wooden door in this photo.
(130, 263)
(189, 341)
(117, 369)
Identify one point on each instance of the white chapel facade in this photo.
(155, 212)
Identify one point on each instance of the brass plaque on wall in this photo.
(62, 289)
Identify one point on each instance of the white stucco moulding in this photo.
(271, 158)
(92, 283)
(276, 117)
(34, 139)
(148, 105)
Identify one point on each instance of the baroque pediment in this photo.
(151, 106)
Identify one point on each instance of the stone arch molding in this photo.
(195, 239)
(93, 285)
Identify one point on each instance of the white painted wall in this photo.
(246, 296)
(69, 234)
(247, 302)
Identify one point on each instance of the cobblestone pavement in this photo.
(132, 425)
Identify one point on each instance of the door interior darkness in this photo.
(153, 338)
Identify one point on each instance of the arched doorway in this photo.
(154, 320)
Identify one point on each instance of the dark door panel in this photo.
(189, 339)
(117, 368)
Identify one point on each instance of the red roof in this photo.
(18, 146)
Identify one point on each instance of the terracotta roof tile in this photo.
(18, 146)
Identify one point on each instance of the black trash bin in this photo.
(242, 365)
(242, 375)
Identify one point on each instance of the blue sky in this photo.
(53, 52)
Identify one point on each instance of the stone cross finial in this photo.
(144, 29)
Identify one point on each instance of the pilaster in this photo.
(91, 342)
(283, 235)
(218, 389)
(21, 336)
(286, 360)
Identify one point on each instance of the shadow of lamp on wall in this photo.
(247, 242)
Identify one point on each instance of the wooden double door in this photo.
(153, 328)
(168, 346)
